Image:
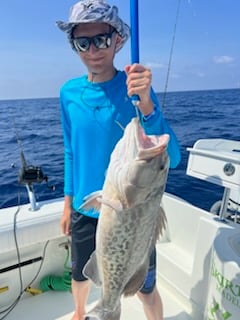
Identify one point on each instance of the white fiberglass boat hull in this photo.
(198, 256)
(185, 253)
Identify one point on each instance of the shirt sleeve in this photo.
(156, 124)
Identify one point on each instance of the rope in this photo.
(57, 283)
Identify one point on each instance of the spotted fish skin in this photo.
(131, 217)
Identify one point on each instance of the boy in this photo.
(94, 108)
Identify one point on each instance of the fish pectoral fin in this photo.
(95, 199)
(91, 201)
(93, 195)
(90, 270)
(114, 204)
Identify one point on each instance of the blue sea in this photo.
(33, 125)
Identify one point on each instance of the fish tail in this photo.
(102, 312)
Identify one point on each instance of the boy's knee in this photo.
(148, 299)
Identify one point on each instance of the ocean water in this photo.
(33, 125)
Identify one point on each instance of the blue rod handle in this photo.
(134, 38)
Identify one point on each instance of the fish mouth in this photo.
(150, 146)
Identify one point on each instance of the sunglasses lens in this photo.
(101, 41)
(82, 44)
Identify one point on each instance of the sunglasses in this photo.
(100, 41)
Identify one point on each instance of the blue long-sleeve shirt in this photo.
(93, 118)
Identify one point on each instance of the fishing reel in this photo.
(31, 174)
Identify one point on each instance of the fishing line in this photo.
(171, 54)
(19, 142)
(104, 103)
(22, 290)
(135, 46)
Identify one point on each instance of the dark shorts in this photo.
(83, 230)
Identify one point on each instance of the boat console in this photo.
(218, 161)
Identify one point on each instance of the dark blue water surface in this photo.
(36, 122)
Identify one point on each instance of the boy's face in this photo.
(97, 61)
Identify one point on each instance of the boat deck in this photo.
(59, 306)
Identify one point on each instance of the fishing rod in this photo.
(29, 174)
(171, 54)
(135, 43)
(134, 31)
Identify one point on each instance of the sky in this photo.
(35, 58)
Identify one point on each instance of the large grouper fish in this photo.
(131, 217)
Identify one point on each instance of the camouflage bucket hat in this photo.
(94, 11)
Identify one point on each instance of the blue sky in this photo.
(35, 59)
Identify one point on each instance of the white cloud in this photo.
(223, 59)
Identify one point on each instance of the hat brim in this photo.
(107, 15)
